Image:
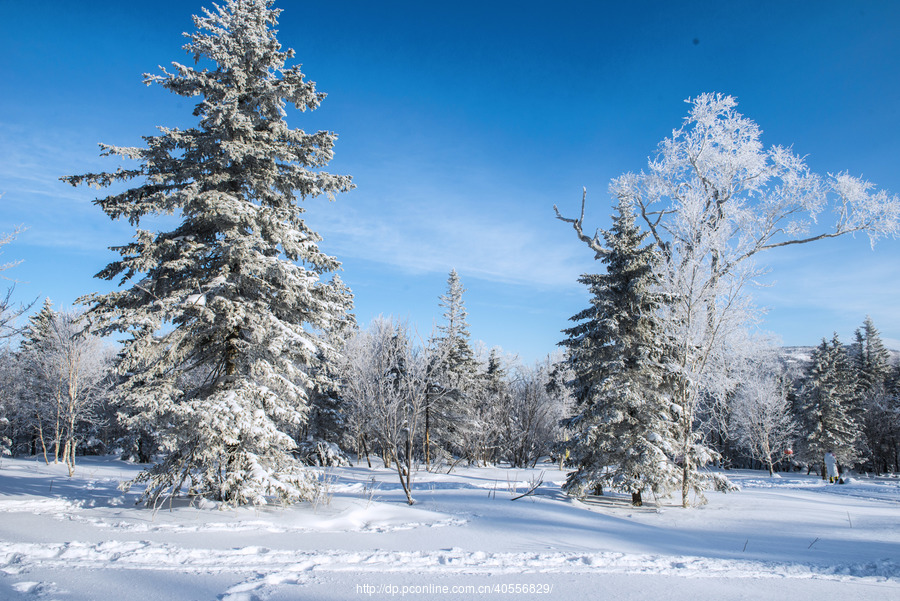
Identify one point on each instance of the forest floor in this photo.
(791, 536)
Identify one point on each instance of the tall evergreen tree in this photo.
(623, 433)
(459, 363)
(449, 411)
(493, 392)
(872, 359)
(224, 313)
(827, 400)
(876, 407)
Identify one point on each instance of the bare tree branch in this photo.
(594, 243)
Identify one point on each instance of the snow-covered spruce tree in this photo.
(871, 358)
(623, 433)
(713, 198)
(876, 409)
(224, 312)
(891, 404)
(492, 394)
(326, 431)
(449, 410)
(827, 397)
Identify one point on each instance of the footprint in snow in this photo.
(30, 588)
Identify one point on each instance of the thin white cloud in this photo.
(830, 287)
(433, 238)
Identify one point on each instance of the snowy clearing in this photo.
(791, 536)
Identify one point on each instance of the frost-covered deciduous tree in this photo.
(224, 313)
(623, 432)
(43, 393)
(712, 199)
(762, 416)
(737, 362)
(529, 422)
(385, 378)
(10, 411)
(68, 371)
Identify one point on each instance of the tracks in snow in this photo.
(296, 565)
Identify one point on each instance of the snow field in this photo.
(791, 534)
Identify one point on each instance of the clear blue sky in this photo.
(463, 124)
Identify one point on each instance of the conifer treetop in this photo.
(455, 330)
(241, 129)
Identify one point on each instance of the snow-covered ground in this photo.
(790, 537)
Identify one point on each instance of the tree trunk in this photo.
(65, 454)
(404, 475)
(365, 449)
(70, 456)
(427, 436)
(144, 449)
(41, 436)
(687, 426)
(636, 499)
(58, 431)
(70, 441)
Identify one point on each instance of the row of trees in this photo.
(849, 403)
(843, 398)
(411, 402)
(415, 404)
(238, 341)
(435, 403)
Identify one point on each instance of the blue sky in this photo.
(463, 124)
